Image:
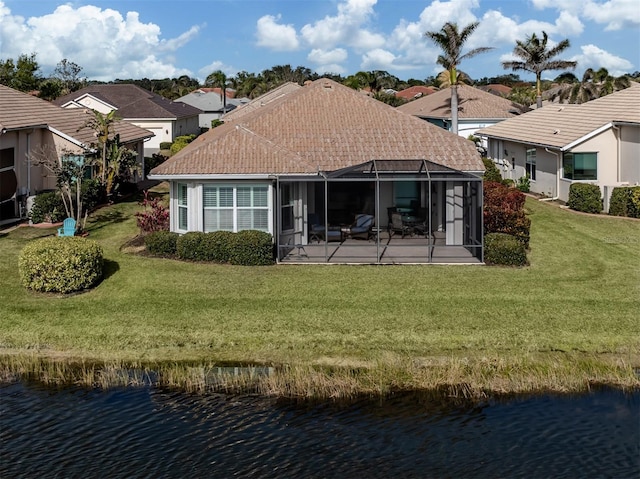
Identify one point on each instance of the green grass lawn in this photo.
(578, 300)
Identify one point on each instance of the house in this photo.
(29, 127)
(414, 92)
(165, 118)
(557, 145)
(497, 89)
(259, 102)
(320, 155)
(210, 104)
(476, 109)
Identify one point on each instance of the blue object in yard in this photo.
(68, 227)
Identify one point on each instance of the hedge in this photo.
(60, 264)
(504, 249)
(248, 247)
(585, 197)
(161, 243)
(491, 171)
(252, 248)
(504, 212)
(625, 201)
(47, 207)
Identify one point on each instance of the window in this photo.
(530, 166)
(286, 199)
(182, 207)
(580, 166)
(235, 207)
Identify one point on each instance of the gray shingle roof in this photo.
(323, 126)
(472, 103)
(20, 110)
(264, 99)
(133, 102)
(559, 125)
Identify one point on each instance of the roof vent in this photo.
(326, 85)
(555, 132)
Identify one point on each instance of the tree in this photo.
(21, 75)
(451, 41)
(121, 164)
(103, 125)
(536, 58)
(69, 75)
(219, 79)
(594, 84)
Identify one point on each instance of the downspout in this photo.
(558, 167)
(29, 132)
(617, 135)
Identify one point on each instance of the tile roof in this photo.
(559, 125)
(497, 89)
(207, 101)
(323, 126)
(20, 110)
(133, 101)
(415, 92)
(472, 103)
(264, 99)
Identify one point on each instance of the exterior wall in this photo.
(205, 119)
(630, 154)
(470, 127)
(94, 104)
(162, 129)
(186, 126)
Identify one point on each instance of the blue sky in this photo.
(161, 38)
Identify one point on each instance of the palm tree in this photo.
(219, 79)
(103, 126)
(451, 41)
(536, 58)
(594, 84)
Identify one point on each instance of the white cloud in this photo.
(319, 56)
(206, 70)
(347, 27)
(596, 58)
(276, 36)
(617, 14)
(573, 6)
(103, 42)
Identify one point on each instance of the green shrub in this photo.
(161, 243)
(47, 207)
(219, 244)
(625, 201)
(60, 264)
(165, 145)
(252, 248)
(491, 171)
(585, 197)
(524, 184)
(192, 246)
(504, 249)
(93, 194)
(508, 182)
(155, 160)
(181, 142)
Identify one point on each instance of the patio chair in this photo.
(68, 227)
(315, 228)
(360, 227)
(399, 226)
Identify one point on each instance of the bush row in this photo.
(504, 249)
(585, 197)
(504, 212)
(60, 264)
(625, 201)
(248, 247)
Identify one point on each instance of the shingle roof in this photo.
(323, 126)
(559, 125)
(416, 91)
(207, 101)
(264, 99)
(472, 103)
(20, 110)
(133, 101)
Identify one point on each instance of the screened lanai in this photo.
(413, 211)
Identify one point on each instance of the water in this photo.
(148, 432)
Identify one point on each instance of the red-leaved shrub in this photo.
(155, 216)
(504, 211)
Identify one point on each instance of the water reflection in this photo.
(148, 432)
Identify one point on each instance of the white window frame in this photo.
(530, 164)
(236, 208)
(181, 207)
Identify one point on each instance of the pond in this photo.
(150, 432)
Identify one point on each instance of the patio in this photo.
(389, 250)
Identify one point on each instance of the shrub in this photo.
(93, 194)
(192, 246)
(504, 212)
(181, 142)
(252, 248)
(47, 207)
(161, 243)
(219, 244)
(524, 184)
(60, 264)
(165, 145)
(155, 160)
(625, 201)
(491, 171)
(154, 217)
(585, 197)
(504, 249)
(508, 182)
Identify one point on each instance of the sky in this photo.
(161, 38)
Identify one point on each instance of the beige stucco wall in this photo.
(630, 154)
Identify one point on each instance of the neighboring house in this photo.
(327, 152)
(497, 89)
(414, 92)
(210, 104)
(476, 109)
(165, 118)
(31, 127)
(557, 145)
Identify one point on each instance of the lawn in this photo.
(574, 309)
